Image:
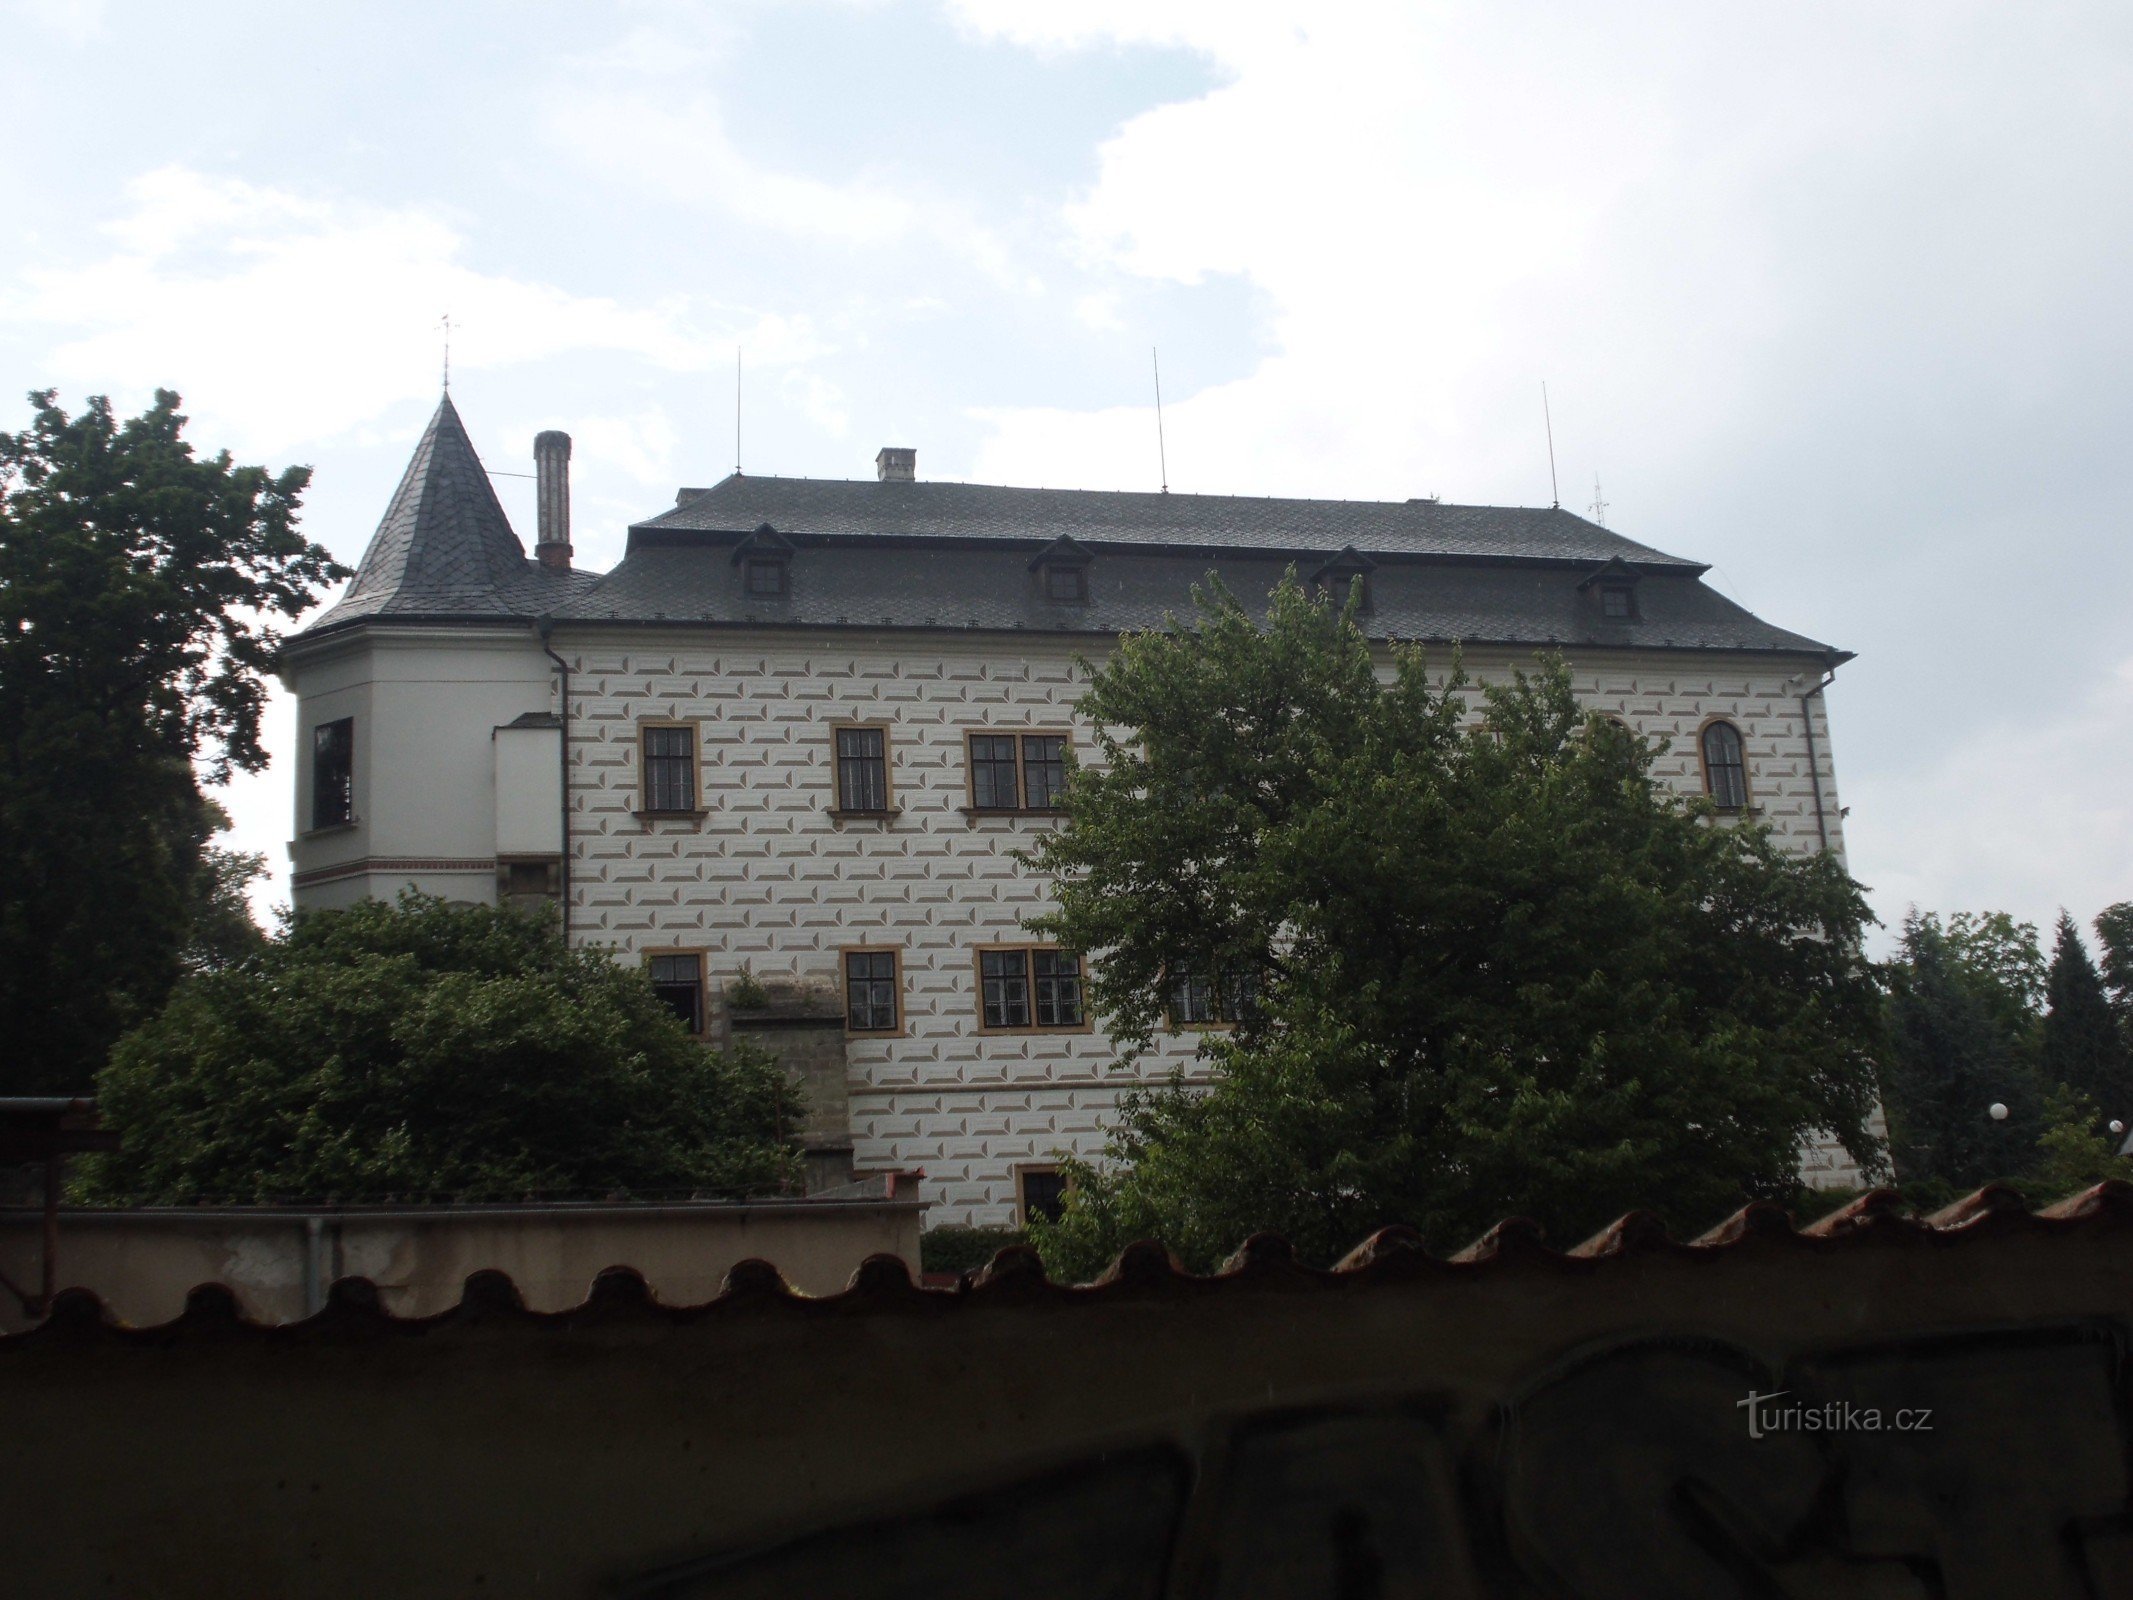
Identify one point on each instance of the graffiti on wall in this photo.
(1952, 1468)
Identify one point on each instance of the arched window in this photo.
(1725, 766)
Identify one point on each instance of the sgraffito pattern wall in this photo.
(1873, 1409)
(768, 878)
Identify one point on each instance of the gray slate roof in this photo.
(445, 549)
(961, 555)
(683, 578)
(1189, 521)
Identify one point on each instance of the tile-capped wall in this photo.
(767, 878)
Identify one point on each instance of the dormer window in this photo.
(1341, 575)
(1062, 569)
(765, 560)
(1614, 586)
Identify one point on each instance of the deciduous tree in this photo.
(138, 587)
(1477, 968)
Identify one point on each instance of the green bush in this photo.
(432, 1050)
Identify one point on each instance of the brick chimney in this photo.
(896, 464)
(551, 465)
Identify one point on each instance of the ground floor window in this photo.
(678, 979)
(1040, 1192)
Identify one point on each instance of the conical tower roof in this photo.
(445, 547)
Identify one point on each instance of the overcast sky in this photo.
(1837, 297)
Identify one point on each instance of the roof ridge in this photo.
(950, 509)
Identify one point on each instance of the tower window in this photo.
(333, 773)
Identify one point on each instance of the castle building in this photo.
(800, 731)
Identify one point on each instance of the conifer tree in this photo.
(1963, 1038)
(2114, 932)
(2081, 1047)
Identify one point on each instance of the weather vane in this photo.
(1598, 508)
(445, 322)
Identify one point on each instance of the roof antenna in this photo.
(446, 323)
(1598, 508)
(1555, 495)
(1162, 453)
(736, 411)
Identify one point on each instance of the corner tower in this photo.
(429, 741)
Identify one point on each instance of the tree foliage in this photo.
(138, 584)
(427, 1049)
(1498, 968)
(2074, 1152)
(2114, 932)
(2080, 1046)
(1962, 1037)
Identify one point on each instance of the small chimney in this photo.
(896, 464)
(551, 465)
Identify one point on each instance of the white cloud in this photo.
(76, 21)
(820, 401)
(1099, 312)
(331, 308)
(682, 153)
(636, 114)
(1791, 273)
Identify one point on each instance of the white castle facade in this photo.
(802, 728)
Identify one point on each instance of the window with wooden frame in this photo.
(1199, 1001)
(765, 561)
(1725, 765)
(333, 773)
(668, 769)
(861, 755)
(765, 577)
(873, 991)
(1039, 1192)
(1017, 771)
(1066, 585)
(678, 979)
(1031, 989)
(1618, 602)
